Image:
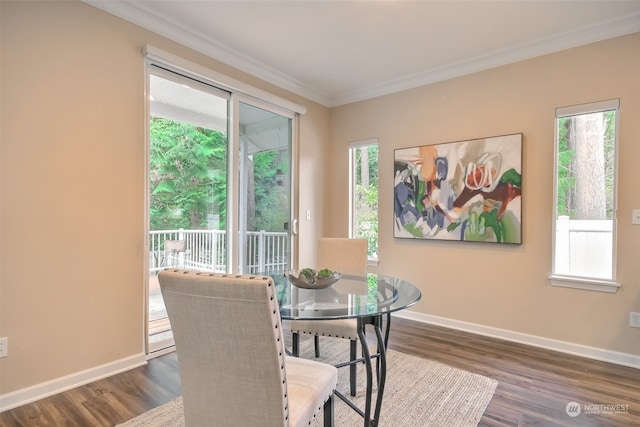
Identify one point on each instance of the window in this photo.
(363, 156)
(585, 196)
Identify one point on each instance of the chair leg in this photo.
(328, 412)
(353, 349)
(316, 344)
(295, 344)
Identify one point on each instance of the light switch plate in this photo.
(635, 216)
(634, 320)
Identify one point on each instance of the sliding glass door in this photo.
(219, 189)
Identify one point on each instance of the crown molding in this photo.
(583, 36)
(144, 17)
(139, 14)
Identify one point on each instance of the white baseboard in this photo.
(58, 385)
(624, 359)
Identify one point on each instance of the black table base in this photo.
(381, 368)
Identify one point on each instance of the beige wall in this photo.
(506, 287)
(312, 164)
(72, 176)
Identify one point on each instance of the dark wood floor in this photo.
(534, 385)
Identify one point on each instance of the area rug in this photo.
(418, 393)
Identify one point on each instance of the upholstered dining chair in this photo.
(231, 356)
(347, 256)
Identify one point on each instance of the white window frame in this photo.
(352, 190)
(579, 282)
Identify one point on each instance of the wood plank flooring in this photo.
(535, 385)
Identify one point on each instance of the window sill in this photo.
(584, 283)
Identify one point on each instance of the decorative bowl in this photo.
(309, 279)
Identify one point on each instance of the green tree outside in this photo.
(568, 199)
(188, 173)
(366, 197)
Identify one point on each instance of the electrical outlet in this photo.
(634, 320)
(4, 347)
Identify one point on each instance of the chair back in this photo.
(343, 254)
(230, 348)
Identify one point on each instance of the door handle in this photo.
(294, 228)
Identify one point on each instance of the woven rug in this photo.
(418, 393)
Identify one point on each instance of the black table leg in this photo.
(382, 373)
(367, 364)
(370, 421)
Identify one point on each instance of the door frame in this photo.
(239, 91)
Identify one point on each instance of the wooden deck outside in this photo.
(158, 320)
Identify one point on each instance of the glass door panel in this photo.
(188, 146)
(265, 214)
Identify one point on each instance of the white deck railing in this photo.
(206, 250)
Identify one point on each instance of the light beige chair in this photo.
(233, 366)
(348, 256)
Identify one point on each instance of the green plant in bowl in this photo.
(326, 277)
(325, 273)
(309, 274)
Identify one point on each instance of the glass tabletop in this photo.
(349, 297)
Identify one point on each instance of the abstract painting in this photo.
(467, 191)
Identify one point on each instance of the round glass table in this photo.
(368, 299)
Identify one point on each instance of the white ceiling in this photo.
(337, 52)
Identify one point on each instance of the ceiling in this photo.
(337, 52)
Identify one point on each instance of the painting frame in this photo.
(468, 190)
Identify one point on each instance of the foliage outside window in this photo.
(585, 190)
(188, 174)
(267, 194)
(364, 193)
